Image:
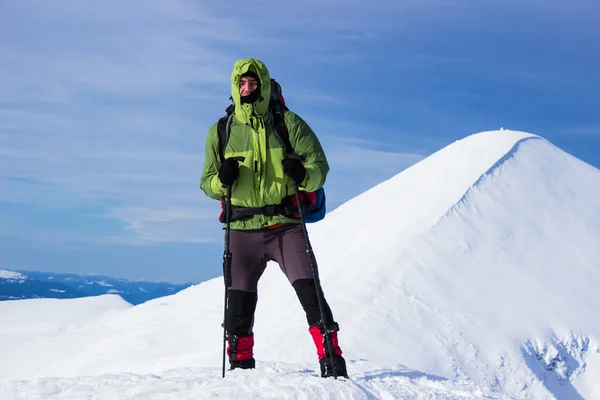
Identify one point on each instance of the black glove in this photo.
(229, 171)
(294, 169)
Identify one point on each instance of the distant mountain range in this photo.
(35, 284)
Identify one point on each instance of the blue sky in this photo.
(104, 109)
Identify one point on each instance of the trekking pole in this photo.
(227, 267)
(226, 271)
(315, 270)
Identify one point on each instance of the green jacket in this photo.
(261, 181)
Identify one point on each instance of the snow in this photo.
(275, 381)
(472, 274)
(36, 334)
(13, 276)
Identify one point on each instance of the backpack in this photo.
(313, 203)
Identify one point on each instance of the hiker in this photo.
(265, 224)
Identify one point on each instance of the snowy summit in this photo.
(472, 274)
(12, 276)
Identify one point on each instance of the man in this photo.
(266, 177)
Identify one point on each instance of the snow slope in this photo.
(485, 266)
(477, 266)
(101, 348)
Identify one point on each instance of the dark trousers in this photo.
(250, 252)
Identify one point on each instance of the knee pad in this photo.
(241, 307)
(306, 290)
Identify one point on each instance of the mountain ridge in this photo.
(41, 284)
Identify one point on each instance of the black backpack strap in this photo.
(277, 108)
(286, 209)
(281, 130)
(223, 129)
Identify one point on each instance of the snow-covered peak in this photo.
(12, 276)
(418, 196)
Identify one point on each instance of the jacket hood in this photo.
(260, 107)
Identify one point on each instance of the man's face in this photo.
(247, 85)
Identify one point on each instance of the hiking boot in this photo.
(240, 352)
(327, 364)
(326, 361)
(243, 364)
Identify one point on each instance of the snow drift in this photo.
(478, 264)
